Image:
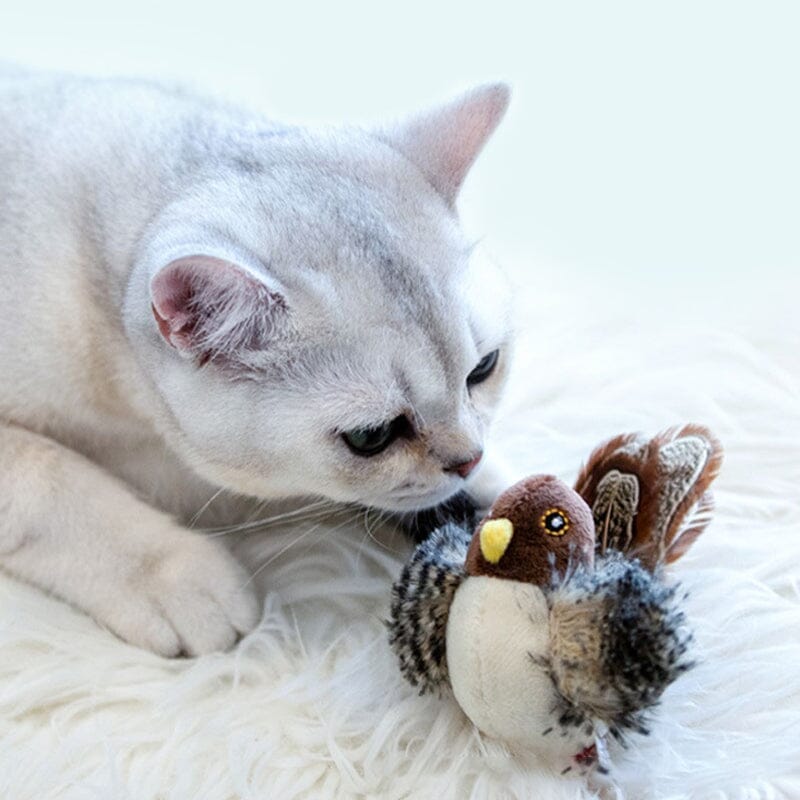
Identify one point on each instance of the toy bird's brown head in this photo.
(536, 528)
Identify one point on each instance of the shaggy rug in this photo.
(312, 704)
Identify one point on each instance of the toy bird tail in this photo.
(650, 497)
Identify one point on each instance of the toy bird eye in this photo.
(554, 522)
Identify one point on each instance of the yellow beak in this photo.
(495, 536)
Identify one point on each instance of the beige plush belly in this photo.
(497, 631)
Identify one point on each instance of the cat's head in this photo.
(314, 319)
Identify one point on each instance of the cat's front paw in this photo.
(194, 599)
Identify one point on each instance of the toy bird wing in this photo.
(650, 498)
(421, 601)
(617, 640)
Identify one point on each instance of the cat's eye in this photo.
(371, 441)
(484, 369)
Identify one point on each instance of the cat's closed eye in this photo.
(484, 368)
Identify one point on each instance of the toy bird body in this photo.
(548, 638)
(498, 630)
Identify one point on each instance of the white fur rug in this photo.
(311, 705)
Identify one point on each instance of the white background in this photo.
(651, 148)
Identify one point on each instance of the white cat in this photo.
(196, 298)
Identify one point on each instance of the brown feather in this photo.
(672, 471)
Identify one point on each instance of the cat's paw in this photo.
(195, 599)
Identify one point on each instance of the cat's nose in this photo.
(464, 468)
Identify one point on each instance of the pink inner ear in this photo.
(172, 300)
(210, 308)
(163, 324)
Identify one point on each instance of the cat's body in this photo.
(194, 298)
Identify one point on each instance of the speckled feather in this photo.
(421, 600)
(618, 638)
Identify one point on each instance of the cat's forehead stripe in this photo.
(419, 296)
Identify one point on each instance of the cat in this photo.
(199, 302)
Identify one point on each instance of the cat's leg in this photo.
(72, 529)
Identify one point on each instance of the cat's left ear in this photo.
(210, 309)
(444, 142)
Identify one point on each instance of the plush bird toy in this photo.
(550, 622)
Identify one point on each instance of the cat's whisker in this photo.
(383, 515)
(261, 527)
(205, 506)
(279, 553)
(367, 534)
(318, 507)
(332, 512)
(295, 542)
(257, 509)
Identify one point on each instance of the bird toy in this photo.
(551, 623)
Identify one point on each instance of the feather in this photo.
(421, 601)
(617, 640)
(614, 510)
(650, 498)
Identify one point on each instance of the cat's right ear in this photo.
(445, 141)
(210, 309)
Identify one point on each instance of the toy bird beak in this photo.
(495, 537)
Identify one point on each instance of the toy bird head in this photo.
(534, 533)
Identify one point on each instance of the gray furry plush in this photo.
(618, 639)
(421, 601)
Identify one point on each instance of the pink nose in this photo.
(465, 467)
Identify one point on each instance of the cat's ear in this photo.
(211, 309)
(445, 141)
